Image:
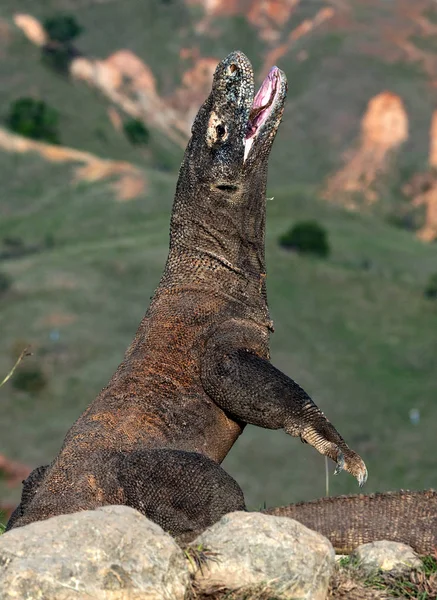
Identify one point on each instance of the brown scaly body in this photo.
(198, 369)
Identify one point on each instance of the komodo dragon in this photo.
(198, 369)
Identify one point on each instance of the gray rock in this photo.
(112, 553)
(275, 554)
(387, 556)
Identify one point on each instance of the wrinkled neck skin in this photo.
(225, 226)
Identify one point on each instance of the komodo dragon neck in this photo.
(225, 232)
(217, 230)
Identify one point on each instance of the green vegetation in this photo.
(136, 132)
(431, 288)
(308, 237)
(57, 57)
(14, 247)
(34, 119)
(346, 561)
(418, 584)
(431, 14)
(403, 219)
(24, 352)
(429, 564)
(49, 240)
(12, 242)
(62, 28)
(58, 52)
(5, 283)
(30, 379)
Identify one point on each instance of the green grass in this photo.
(414, 585)
(418, 584)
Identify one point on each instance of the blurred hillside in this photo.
(84, 223)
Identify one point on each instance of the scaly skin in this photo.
(348, 521)
(198, 369)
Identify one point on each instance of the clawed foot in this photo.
(328, 442)
(354, 465)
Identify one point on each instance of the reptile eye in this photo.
(232, 68)
(220, 131)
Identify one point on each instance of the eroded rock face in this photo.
(256, 551)
(110, 553)
(387, 556)
(31, 28)
(384, 128)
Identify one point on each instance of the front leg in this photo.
(248, 387)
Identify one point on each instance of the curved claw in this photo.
(340, 463)
(362, 478)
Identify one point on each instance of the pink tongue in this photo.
(262, 101)
(265, 91)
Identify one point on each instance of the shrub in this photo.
(431, 288)
(5, 283)
(405, 220)
(49, 240)
(34, 119)
(30, 379)
(13, 242)
(136, 132)
(306, 236)
(59, 52)
(58, 57)
(62, 28)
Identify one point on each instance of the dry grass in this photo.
(24, 353)
(264, 591)
(349, 582)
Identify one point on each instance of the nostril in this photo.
(232, 68)
(220, 130)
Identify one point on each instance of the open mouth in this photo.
(262, 106)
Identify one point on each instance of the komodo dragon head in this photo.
(234, 130)
(221, 192)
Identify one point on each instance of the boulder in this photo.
(112, 553)
(255, 552)
(386, 556)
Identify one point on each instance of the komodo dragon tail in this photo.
(348, 521)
